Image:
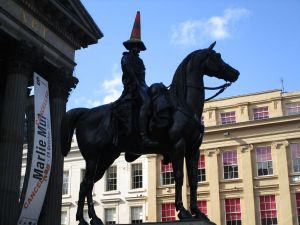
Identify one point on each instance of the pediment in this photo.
(67, 18)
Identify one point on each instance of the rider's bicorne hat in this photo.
(135, 37)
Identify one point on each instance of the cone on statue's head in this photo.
(135, 37)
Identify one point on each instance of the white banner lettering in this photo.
(41, 157)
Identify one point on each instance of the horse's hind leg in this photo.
(103, 163)
(192, 158)
(86, 188)
(177, 158)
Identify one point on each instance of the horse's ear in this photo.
(212, 45)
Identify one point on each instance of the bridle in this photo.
(220, 88)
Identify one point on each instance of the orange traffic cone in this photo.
(135, 37)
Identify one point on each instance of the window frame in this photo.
(236, 212)
(292, 105)
(68, 183)
(202, 205)
(108, 183)
(132, 221)
(268, 211)
(201, 176)
(169, 173)
(297, 199)
(233, 165)
(114, 216)
(227, 117)
(137, 184)
(266, 162)
(297, 158)
(256, 115)
(170, 215)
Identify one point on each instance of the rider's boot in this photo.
(148, 142)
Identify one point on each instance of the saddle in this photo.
(126, 113)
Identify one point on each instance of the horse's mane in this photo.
(178, 86)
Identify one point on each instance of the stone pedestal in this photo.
(188, 222)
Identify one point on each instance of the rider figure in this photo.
(133, 78)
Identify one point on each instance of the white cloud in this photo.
(113, 88)
(109, 91)
(192, 32)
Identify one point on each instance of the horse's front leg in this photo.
(192, 158)
(91, 168)
(177, 158)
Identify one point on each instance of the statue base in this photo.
(177, 222)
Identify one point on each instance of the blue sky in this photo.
(259, 38)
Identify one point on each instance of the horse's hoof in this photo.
(184, 215)
(96, 221)
(83, 222)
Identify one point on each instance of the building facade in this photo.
(36, 37)
(248, 172)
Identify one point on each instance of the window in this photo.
(230, 165)
(268, 212)
(295, 152)
(264, 161)
(202, 205)
(137, 175)
(86, 215)
(298, 206)
(201, 169)
(65, 187)
(21, 183)
(168, 212)
(111, 178)
(293, 108)
(82, 174)
(136, 214)
(233, 211)
(167, 174)
(261, 113)
(64, 218)
(110, 216)
(228, 118)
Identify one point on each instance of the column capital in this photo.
(212, 152)
(280, 144)
(245, 148)
(61, 82)
(22, 58)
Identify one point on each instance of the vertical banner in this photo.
(41, 156)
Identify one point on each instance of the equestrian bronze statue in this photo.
(173, 124)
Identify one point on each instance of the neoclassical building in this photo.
(248, 172)
(36, 37)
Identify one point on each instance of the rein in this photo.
(222, 89)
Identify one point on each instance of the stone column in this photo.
(247, 176)
(152, 188)
(12, 130)
(60, 83)
(284, 206)
(213, 179)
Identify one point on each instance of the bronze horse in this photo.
(95, 132)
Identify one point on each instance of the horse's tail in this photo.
(68, 125)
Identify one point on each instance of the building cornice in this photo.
(252, 123)
(56, 18)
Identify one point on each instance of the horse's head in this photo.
(216, 67)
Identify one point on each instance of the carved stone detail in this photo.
(245, 148)
(280, 144)
(63, 83)
(211, 152)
